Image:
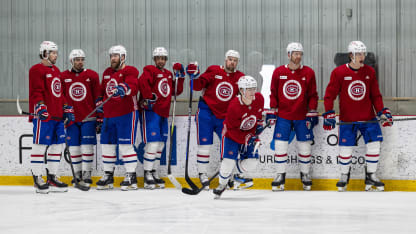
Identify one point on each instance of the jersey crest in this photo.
(111, 85)
(77, 91)
(356, 90)
(163, 87)
(292, 89)
(56, 87)
(248, 123)
(224, 91)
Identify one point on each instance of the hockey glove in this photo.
(329, 120)
(69, 114)
(271, 116)
(386, 119)
(192, 70)
(122, 90)
(178, 70)
(252, 145)
(148, 103)
(42, 112)
(312, 119)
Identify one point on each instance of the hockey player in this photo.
(120, 83)
(293, 103)
(156, 89)
(242, 124)
(219, 86)
(81, 88)
(359, 95)
(50, 110)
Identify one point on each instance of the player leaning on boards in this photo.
(120, 84)
(81, 88)
(156, 90)
(293, 103)
(219, 86)
(242, 124)
(50, 110)
(359, 96)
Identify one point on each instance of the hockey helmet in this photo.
(118, 49)
(76, 53)
(232, 53)
(246, 82)
(160, 51)
(357, 47)
(47, 46)
(294, 46)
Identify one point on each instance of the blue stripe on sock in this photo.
(225, 177)
(109, 162)
(369, 161)
(36, 161)
(87, 161)
(285, 161)
(131, 161)
(201, 161)
(74, 163)
(347, 163)
(51, 160)
(307, 162)
(149, 160)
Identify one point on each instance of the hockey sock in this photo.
(87, 157)
(76, 157)
(345, 153)
(129, 157)
(280, 156)
(227, 166)
(54, 158)
(203, 158)
(109, 156)
(156, 163)
(372, 155)
(150, 155)
(36, 159)
(304, 156)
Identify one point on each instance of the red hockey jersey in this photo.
(118, 106)
(241, 120)
(218, 87)
(45, 85)
(358, 91)
(160, 83)
(293, 92)
(81, 90)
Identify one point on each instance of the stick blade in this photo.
(19, 109)
(174, 181)
(190, 191)
(82, 187)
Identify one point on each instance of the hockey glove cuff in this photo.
(42, 112)
(192, 70)
(69, 114)
(271, 116)
(179, 70)
(386, 119)
(329, 120)
(312, 119)
(122, 90)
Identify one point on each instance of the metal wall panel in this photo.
(203, 30)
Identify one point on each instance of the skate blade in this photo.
(244, 186)
(55, 189)
(160, 186)
(105, 187)
(217, 197)
(372, 188)
(278, 188)
(42, 191)
(342, 189)
(307, 187)
(149, 186)
(130, 187)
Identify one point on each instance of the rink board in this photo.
(397, 167)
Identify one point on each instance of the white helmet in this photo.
(357, 47)
(76, 53)
(160, 51)
(246, 82)
(232, 53)
(294, 46)
(47, 46)
(118, 49)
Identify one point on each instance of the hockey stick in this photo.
(81, 186)
(372, 121)
(96, 108)
(172, 129)
(188, 180)
(21, 112)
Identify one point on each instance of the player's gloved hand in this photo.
(98, 125)
(329, 120)
(386, 119)
(121, 90)
(252, 145)
(42, 112)
(271, 116)
(148, 103)
(312, 119)
(179, 70)
(192, 70)
(69, 114)
(98, 104)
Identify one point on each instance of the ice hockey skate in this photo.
(86, 177)
(241, 183)
(129, 182)
(149, 181)
(160, 183)
(372, 183)
(106, 182)
(219, 190)
(78, 176)
(343, 182)
(203, 178)
(306, 181)
(40, 185)
(55, 185)
(278, 183)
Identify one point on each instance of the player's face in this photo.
(249, 94)
(160, 61)
(296, 57)
(359, 59)
(115, 61)
(78, 63)
(53, 56)
(231, 63)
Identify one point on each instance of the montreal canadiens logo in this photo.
(224, 91)
(110, 87)
(292, 89)
(56, 87)
(77, 91)
(164, 88)
(248, 122)
(356, 90)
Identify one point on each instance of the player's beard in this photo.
(115, 64)
(230, 68)
(296, 61)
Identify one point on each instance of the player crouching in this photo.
(240, 134)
